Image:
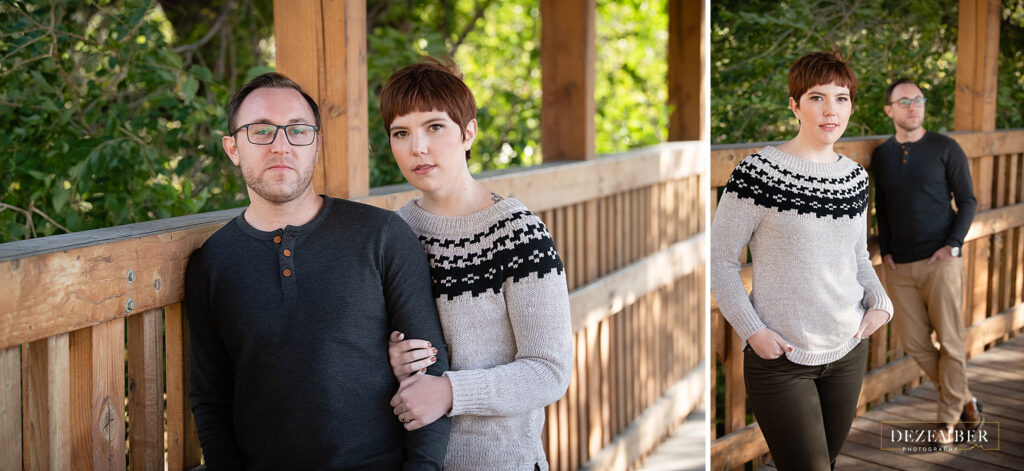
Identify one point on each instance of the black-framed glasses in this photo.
(906, 102)
(264, 134)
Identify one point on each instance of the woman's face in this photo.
(430, 148)
(823, 111)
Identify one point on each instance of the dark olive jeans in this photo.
(805, 412)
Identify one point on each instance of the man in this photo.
(920, 236)
(290, 305)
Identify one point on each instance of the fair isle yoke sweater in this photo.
(804, 223)
(501, 295)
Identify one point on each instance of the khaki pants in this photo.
(925, 298)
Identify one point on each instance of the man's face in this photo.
(907, 118)
(278, 172)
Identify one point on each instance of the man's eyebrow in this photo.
(270, 121)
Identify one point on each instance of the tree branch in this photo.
(135, 28)
(480, 8)
(21, 63)
(5, 206)
(23, 46)
(55, 223)
(217, 25)
(31, 228)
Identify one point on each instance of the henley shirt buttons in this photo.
(287, 253)
(286, 273)
(277, 239)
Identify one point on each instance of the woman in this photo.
(801, 209)
(498, 283)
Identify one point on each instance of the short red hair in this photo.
(820, 68)
(431, 85)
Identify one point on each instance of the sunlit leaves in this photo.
(631, 74)
(754, 43)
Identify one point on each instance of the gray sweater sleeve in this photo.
(874, 294)
(734, 224)
(538, 311)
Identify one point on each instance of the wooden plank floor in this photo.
(996, 378)
(684, 449)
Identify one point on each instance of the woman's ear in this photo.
(794, 106)
(469, 134)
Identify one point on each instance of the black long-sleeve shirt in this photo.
(913, 183)
(289, 337)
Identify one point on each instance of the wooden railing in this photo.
(994, 286)
(94, 344)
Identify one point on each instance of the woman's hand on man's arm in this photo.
(411, 356)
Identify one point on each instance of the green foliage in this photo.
(114, 109)
(631, 74)
(499, 56)
(388, 50)
(754, 43)
(1009, 111)
(103, 123)
(501, 64)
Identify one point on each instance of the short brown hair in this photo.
(820, 68)
(898, 82)
(428, 86)
(268, 80)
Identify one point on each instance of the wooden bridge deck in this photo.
(684, 449)
(996, 378)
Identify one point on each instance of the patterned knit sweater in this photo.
(805, 225)
(501, 295)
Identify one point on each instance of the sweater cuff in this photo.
(469, 392)
(747, 325)
(878, 301)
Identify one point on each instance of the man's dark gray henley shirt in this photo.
(914, 182)
(289, 343)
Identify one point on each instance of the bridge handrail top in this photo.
(22, 249)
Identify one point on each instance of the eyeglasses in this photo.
(906, 102)
(264, 134)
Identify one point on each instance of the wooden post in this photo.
(321, 44)
(46, 400)
(977, 65)
(10, 408)
(145, 390)
(567, 79)
(975, 110)
(735, 390)
(97, 397)
(183, 451)
(687, 87)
